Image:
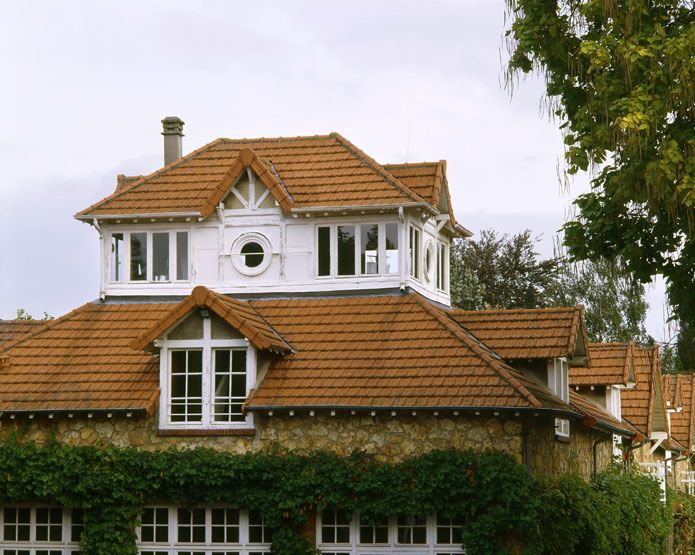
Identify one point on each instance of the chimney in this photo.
(173, 135)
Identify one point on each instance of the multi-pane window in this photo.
(442, 268)
(40, 530)
(149, 256)
(340, 533)
(352, 249)
(207, 369)
(203, 531)
(414, 251)
(558, 383)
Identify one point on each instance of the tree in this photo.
(620, 78)
(24, 315)
(500, 272)
(680, 356)
(615, 304)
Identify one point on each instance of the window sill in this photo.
(242, 432)
(562, 439)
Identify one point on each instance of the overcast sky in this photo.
(85, 85)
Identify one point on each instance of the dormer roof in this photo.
(540, 333)
(611, 364)
(323, 172)
(683, 422)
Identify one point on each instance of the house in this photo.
(678, 391)
(291, 293)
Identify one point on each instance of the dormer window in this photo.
(558, 383)
(206, 372)
(356, 249)
(149, 256)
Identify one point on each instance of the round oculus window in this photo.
(251, 254)
(429, 255)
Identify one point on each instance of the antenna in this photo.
(407, 148)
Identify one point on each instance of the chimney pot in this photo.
(173, 138)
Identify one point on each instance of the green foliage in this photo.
(24, 315)
(620, 77)
(504, 511)
(680, 356)
(500, 272)
(616, 307)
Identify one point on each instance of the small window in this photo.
(412, 530)
(414, 249)
(369, 249)
(258, 531)
(558, 383)
(117, 257)
(324, 251)
(391, 248)
(442, 261)
(182, 255)
(138, 256)
(251, 254)
(154, 525)
(346, 250)
(335, 526)
(225, 526)
(160, 256)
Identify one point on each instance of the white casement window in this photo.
(149, 256)
(442, 266)
(414, 251)
(558, 383)
(166, 530)
(340, 533)
(356, 249)
(40, 530)
(206, 372)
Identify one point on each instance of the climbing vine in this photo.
(503, 510)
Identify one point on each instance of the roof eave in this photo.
(90, 217)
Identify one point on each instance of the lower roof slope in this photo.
(381, 352)
(13, 329)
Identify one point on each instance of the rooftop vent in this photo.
(173, 138)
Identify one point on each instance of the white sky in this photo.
(85, 85)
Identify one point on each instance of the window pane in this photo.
(369, 251)
(160, 256)
(415, 253)
(182, 255)
(230, 384)
(346, 250)
(252, 254)
(116, 257)
(76, 525)
(138, 256)
(391, 248)
(186, 385)
(324, 254)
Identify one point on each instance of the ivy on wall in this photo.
(504, 511)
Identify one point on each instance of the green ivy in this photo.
(503, 510)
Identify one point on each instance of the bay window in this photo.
(149, 256)
(356, 249)
(207, 369)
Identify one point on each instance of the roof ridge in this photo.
(466, 337)
(172, 165)
(411, 164)
(519, 310)
(40, 329)
(228, 140)
(378, 168)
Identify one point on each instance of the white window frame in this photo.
(65, 546)
(207, 345)
(150, 254)
(173, 546)
(415, 259)
(430, 547)
(558, 383)
(333, 240)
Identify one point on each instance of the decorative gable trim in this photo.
(237, 314)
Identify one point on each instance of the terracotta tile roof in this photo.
(682, 425)
(13, 329)
(83, 361)
(611, 364)
(239, 315)
(672, 391)
(303, 172)
(385, 352)
(425, 178)
(528, 333)
(639, 404)
(123, 181)
(597, 417)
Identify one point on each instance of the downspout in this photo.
(593, 449)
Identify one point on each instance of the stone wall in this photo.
(387, 437)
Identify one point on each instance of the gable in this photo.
(249, 193)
